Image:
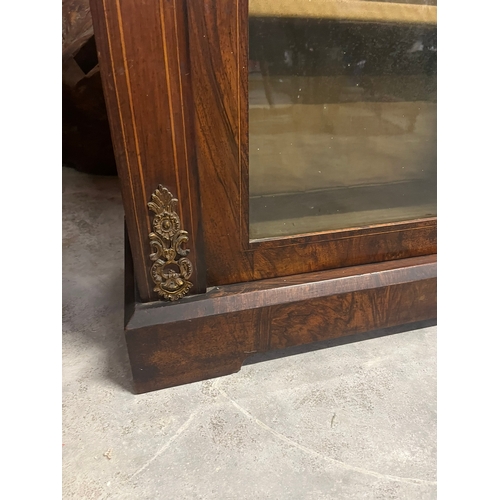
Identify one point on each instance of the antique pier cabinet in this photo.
(277, 161)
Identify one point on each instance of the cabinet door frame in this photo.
(218, 44)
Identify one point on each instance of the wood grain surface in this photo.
(142, 48)
(218, 44)
(211, 335)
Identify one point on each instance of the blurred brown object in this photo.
(86, 138)
(77, 26)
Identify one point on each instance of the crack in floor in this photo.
(179, 431)
(310, 451)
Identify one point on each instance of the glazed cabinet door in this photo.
(316, 133)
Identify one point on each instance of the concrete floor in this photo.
(354, 420)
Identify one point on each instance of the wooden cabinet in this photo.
(213, 275)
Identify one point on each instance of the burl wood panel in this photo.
(351, 313)
(218, 44)
(142, 49)
(211, 335)
(168, 355)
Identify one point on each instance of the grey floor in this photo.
(355, 420)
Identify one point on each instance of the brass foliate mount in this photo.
(171, 268)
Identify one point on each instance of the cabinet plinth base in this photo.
(210, 335)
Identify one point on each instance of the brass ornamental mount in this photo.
(171, 268)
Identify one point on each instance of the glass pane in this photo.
(342, 114)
